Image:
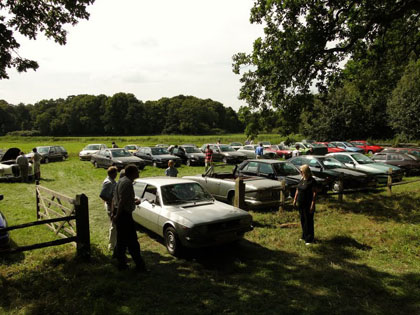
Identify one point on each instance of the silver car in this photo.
(363, 163)
(89, 150)
(186, 215)
(259, 192)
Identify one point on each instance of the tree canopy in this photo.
(306, 41)
(121, 114)
(30, 18)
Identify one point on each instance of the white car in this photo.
(185, 214)
(9, 169)
(89, 150)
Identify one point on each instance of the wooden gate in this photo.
(67, 217)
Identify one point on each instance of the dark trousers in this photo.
(307, 222)
(24, 170)
(127, 238)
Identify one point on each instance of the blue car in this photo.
(349, 147)
(4, 235)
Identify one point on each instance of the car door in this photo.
(52, 154)
(149, 209)
(346, 160)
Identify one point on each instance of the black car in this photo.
(157, 156)
(50, 153)
(331, 170)
(118, 157)
(189, 155)
(225, 153)
(277, 170)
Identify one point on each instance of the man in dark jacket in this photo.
(126, 231)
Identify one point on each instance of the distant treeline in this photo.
(121, 114)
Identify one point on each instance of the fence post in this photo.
(340, 187)
(282, 194)
(37, 199)
(82, 226)
(239, 200)
(389, 183)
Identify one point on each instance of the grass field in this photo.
(366, 259)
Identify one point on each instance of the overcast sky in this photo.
(152, 49)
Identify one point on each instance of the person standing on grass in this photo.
(259, 151)
(296, 152)
(209, 157)
(114, 145)
(36, 159)
(126, 231)
(171, 171)
(23, 163)
(305, 198)
(107, 194)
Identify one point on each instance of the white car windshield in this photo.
(131, 147)
(92, 147)
(184, 193)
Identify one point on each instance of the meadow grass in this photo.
(366, 259)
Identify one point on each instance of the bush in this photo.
(24, 133)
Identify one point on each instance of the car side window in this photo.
(299, 161)
(151, 194)
(52, 150)
(266, 168)
(379, 157)
(314, 163)
(251, 167)
(343, 158)
(139, 189)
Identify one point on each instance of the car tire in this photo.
(95, 164)
(370, 152)
(63, 158)
(188, 163)
(172, 243)
(225, 160)
(46, 160)
(155, 164)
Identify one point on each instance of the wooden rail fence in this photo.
(240, 190)
(67, 217)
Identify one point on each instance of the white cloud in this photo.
(152, 49)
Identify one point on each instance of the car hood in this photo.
(261, 183)
(206, 212)
(128, 159)
(236, 154)
(199, 155)
(88, 151)
(370, 168)
(166, 157)
(345, 171)
(11, 154)
(386, 166)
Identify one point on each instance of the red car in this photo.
(331, 148)
(280, 150)
(368, 147)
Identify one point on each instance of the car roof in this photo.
(343, 152)
(164, 180)
(266, 161)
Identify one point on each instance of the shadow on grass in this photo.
(402, 207)
(244, 278)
